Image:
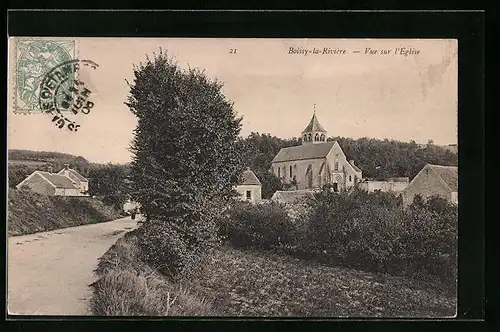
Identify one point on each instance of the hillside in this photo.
(31, 213)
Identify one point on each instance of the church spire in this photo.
(314, 132)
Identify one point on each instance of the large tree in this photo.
(185, 158)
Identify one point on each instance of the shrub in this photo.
(370, 232)
(264, 226)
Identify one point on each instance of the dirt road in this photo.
(49, 272)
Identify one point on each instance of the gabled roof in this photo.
(249, 178)
(291, 197)
(59, 181)
(314, 125)
(356, 168)
(306, 151)
(75, 173)
(449, 174)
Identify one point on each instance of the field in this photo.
(254, 283)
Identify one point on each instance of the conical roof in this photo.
(314, 125)
(249, 178)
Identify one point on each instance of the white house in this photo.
(67, 182)
(250, 188)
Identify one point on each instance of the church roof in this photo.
(314, 125)
(449, 174)
(249, 178)
(306, 151)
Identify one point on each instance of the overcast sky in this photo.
(357, 95)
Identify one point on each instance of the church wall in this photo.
(299, 169)
(345, 171)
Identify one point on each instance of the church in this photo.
(316, 162)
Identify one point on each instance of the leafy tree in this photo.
(185, 160)
(109, 182)
(17, 173)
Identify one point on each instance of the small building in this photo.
(250, 188)
(395, 185)
(433, 180)
(67, 182)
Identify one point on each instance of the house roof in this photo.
(59, 181)
(293, 196)
(314, 125)
(306, 151)
(449, 174)
(75, 173)
(356, 168)
(249, 178)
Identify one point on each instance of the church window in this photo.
(336, 167)
(316, 137)
(290, 171)
(309, 137)
(305, 137)
(322, 137)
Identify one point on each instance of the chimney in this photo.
(66, 170)
(351, 162)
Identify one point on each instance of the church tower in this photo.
(314, 133)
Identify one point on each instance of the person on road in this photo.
(133, 212)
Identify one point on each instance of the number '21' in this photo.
(232, 51)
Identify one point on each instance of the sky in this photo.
(274, 89)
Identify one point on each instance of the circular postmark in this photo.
(63, 95)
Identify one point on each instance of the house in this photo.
(67, 182)
(79, 180)
(395, 185)
(316, 162)
(433, 180)
(250, 188)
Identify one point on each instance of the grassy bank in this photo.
(126, 286)
(30, 212)
(254, 283)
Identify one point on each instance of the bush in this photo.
(374, 232)
(264, 226)
(368, 231)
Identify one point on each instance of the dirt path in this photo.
(49, 272)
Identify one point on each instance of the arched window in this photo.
(290, 171)
(336, 167)
(322, 137)
(316, 137)
(309, 137)
(305, 138)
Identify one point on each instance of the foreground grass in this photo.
(129, 287)
(249, 283)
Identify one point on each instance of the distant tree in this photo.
(109, 182)
(185, 160)
(17, 173)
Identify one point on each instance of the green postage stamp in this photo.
(34, 58)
